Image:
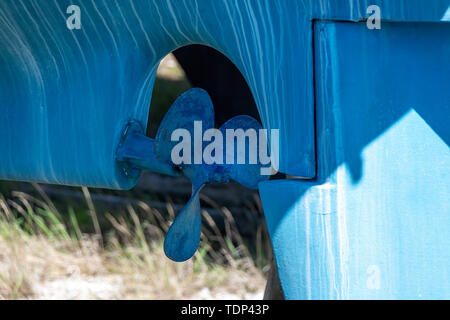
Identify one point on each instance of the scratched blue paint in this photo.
(69, 93)
(376, 222)
(373, 223)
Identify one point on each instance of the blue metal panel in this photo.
(376, 223)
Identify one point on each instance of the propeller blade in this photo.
(183, 236)
(193, 105)
(248, 172)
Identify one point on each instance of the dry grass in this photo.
(44, 254)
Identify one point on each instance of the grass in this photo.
(44, 253)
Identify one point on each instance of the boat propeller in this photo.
(191, 117)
